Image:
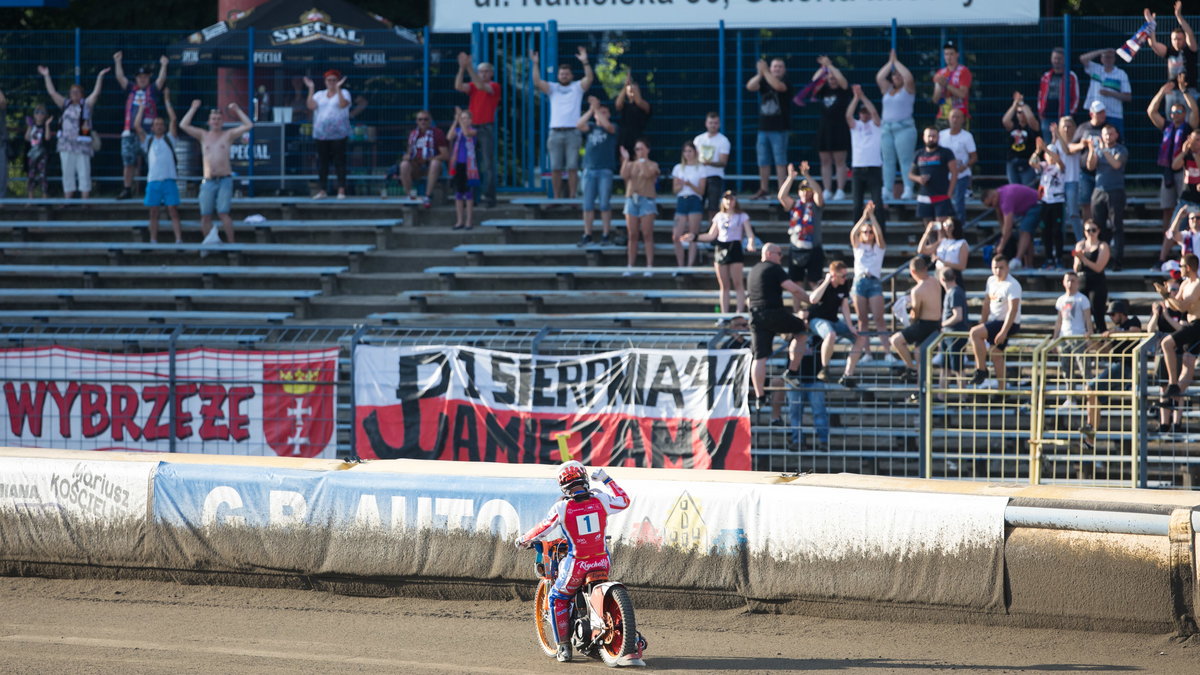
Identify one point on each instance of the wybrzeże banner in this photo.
(228, 402)
(456, 16)
(638, 407)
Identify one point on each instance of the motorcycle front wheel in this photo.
(620, 626)
(544, 617)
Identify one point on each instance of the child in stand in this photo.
(729, 227)
(38, 134)
(1051, 195)
(464, 169)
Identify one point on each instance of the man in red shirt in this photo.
(484, 98)
(951, 87)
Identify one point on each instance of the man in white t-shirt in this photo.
(866, 154)
(999, 319)
(960, 141)
(566, 99)
(1107, 84)
(159, 148)
(1074, 309)
(713, 148)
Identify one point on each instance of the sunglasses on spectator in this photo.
(1091, 229)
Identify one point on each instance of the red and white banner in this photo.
(227, 402)
(637, 407)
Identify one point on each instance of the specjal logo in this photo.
(300, 381)
(315, 25)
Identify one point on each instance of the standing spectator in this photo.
(945, 244)
(484, 97)
(925, 306)
(1108, 199)
(1013, 202)
(3, 146)
(1097, 118)
(1187, 238)
(1073, 308)
(1022, 126)
(831, 299)
(729, 228)
(139, 93)
(899, 90)
(866, 157)
(1163, 319)
(1187, 300)
(935, 169)
(1051, 195)
(1183, 118)
(216, 192)
(331, 130)
(954, 318)
(769, 318)
(75, 145)
(566, 97)
(951, 86)
(1180, 54)
(1061, 135)
(713, 147)
(640, 176)
(38, 135)
(634, 110)
(833, 136)
(1091, 260)
(161, 173)
(1109, 85)
(427, 152)
(999, 319)
(805, 255)
(599, 163)
(962, 143)
(774, 120)
(464, 167)
(866, 240)
(1054, 100)
(688, 183)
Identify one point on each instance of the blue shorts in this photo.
(131, 150)
(161, 193)
(597, 187)
(929, 211)
(868, 287)
(686, 206)
(823, 327)
(1031, 219)
(216, 195)
(772, 148)
(638, 206)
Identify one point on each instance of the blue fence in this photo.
(683, 74)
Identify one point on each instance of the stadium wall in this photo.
(846, 546)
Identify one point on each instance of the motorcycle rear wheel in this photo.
(542, 617)
(619, 621)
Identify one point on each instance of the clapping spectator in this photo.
(774, 120)
(961, 142)
(866, 154)
(688, 182)
(869, 247)
(899, 89)
(634, 110)
(1022, 126)
(427, 152)
(945, 244)
(566, 98)
(1091, 257)
(1051, 196)
(1054, 100)
(1180, 54)
(1109, 85)
(75, 145)
(951, 86)
(713, 147)
(1108, 199)
(464, 167)
(805, 255)
(1182, 119)
(729, 227)
(484, 97)
(1097, 118)
(1071, 157)
(833, 134)
(640, 175)
(330, 129)
(599, 163)
(38, 135)
(139, 93)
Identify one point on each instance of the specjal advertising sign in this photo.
(315, 26)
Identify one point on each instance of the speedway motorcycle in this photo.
(602, 622)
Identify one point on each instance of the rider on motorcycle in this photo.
(580, 518)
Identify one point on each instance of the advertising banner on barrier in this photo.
(74, 490)
(456, 16)
(635, 407)
(231, 402)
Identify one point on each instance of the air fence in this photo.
(1071, 411)
(684, 74)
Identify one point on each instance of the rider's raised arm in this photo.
(618, 501)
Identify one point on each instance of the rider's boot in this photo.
(564, 651)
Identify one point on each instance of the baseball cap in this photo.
(1173, 269)
(1119, 307)
(145, 70)
(950, 44)
(1097, 107)
(804, 184)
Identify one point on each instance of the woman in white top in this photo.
(75, 144)
(899, 130)
(640, 176)
(729, 227)
(330, 129)
(866, 240)
(944, 244)
(688, 182)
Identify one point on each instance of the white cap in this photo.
(1097, 107)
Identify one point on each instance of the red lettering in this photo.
(20, 408)
(239, 420)
(65, 401)
(153, 430)
(94, 410)
(212, 397)
(124, 410)
(183, 418)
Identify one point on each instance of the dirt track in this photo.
(58, 626)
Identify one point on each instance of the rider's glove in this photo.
(599, 475)
(521, 544)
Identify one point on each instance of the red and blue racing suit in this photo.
(582, 524)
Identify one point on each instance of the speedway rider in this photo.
(580, 518)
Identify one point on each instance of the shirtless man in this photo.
(1186, 300)
(216, 192)
(926, 308)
